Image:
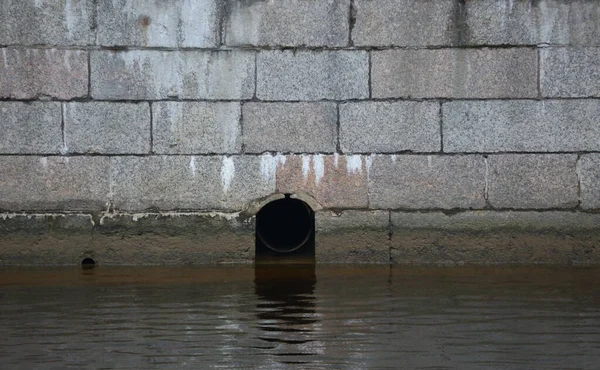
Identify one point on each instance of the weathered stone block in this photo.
(173, 239)
(427, 181)
(30, 128)
(455, 73)
(493, 22)
(35, 22)
(405, 23)
(589, 175)
(38, 224)
(521, 125)
(290, 127)
(175, 23)
(190, 182)
(570, 72)
(492, 237)
(54, 183)
(352, 236)
(335, 181)
(196, 127)
(532, 181)
(390, 127)
(153, 74)
(572, 22)
(56, 239)
(312, 75)
(108, 128)
(493, 248)
(487, 221)
(34, 73)
(287, 23)
(125, 239)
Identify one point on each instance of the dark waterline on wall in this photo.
(298, 316)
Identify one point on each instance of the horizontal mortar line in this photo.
(442, 100)
(239, 154)
(120, 48)
(454, 211)
(194, 211)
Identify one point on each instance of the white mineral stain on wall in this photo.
(336, 159)
(218, 70)
(318, 167)
(175, 70)
(184, 23)
(244, 23)
(354, 164)
(547, 25)
(64, 150)
(44, 162)
(306, 159)
(193, 166)
(138, 63)
(131, 59)
(227, 173)
(369, 163)
(70, 18)
(138, 216)
(4, 57)
(196, 20)
(269, 164)
(429, 161)
(229, 127)
(67, 61)
(175, 116)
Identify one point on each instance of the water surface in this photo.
(343, 317)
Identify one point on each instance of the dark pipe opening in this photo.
(88, 263)
(285, 228)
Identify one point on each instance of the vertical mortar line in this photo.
(95, 20)
(390, 236)
(109, 203)
(255, 75)
(338, 146)
(369, 53)
(368, 166)
(486, 189)
(62, 128)
(89, 68)
(151, 129)
(441, 117)
(351, 21)
(578, 174)
(539, 72)
(241, 126)
(223, 15)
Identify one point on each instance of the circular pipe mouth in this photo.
(88, 263)
(285, 225)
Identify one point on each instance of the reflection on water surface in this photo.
(296, 317)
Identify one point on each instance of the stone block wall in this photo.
(399, 119)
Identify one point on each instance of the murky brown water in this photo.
(334, 317)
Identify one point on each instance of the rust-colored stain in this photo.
(145, 21)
